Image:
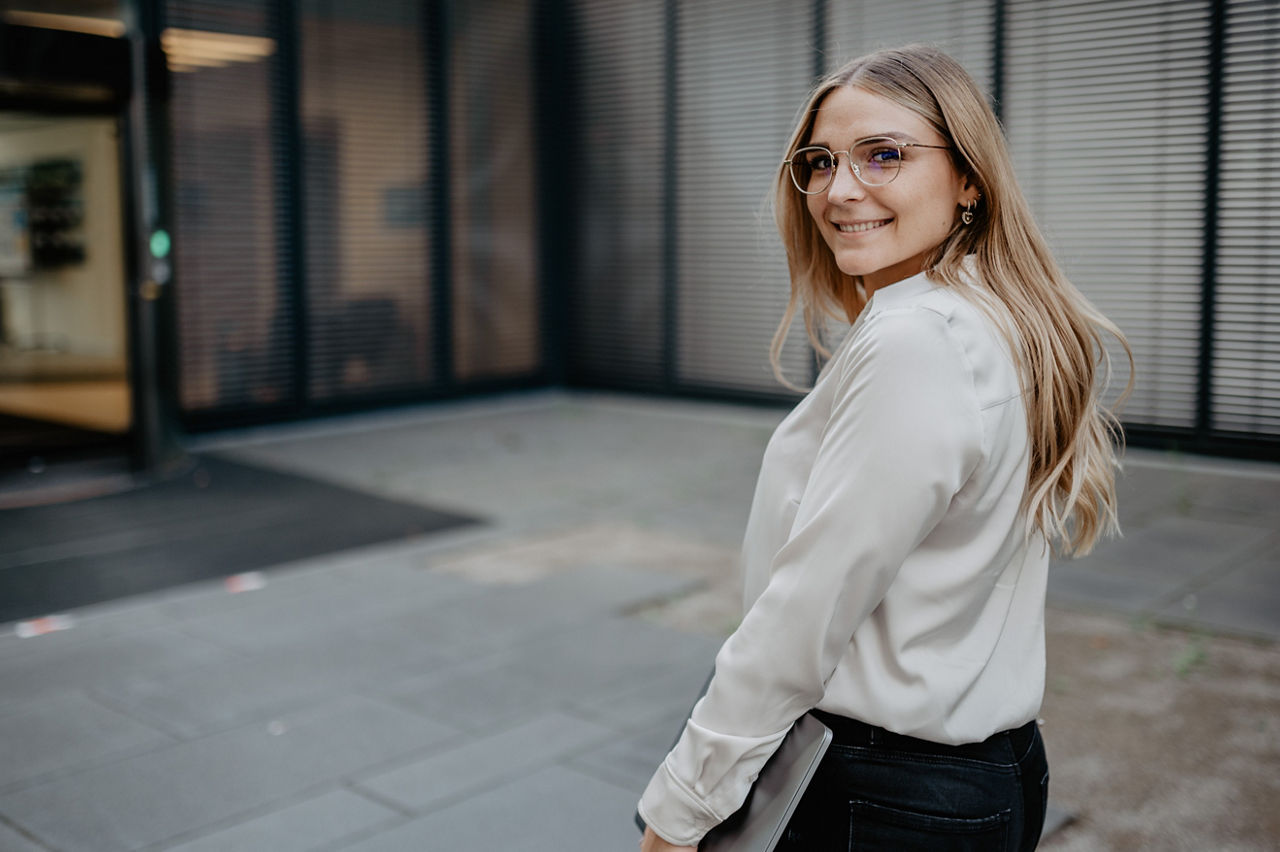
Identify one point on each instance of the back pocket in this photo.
(880, 827)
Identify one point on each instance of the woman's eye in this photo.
(884, 156)
(820, 162)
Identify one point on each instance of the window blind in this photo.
(493, 155)
(365, 207)
(1246, 363)
(616, 308)
(1105, 106)
(961, 28)
(743, 71)
(234, 314)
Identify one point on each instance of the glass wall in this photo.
(493, 158)
(615, 167)
(309, 157)
(357, 187)
(231, 260)
(365, 136)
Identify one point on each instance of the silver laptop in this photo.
(759, 824)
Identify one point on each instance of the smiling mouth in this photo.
(859, 227)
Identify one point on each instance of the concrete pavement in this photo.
(503, 687)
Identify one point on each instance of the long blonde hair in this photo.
(1056, 333)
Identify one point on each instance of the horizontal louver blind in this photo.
(960, 27)
(963, 29)
(234, 319)
(1105, 107)
(365, 159)
(497, 306)
(617, 301)
(1246, 365)
(743, 71)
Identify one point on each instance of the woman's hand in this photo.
(653, 843)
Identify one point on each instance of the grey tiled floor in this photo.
(491, 688)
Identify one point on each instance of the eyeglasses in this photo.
(875, 162)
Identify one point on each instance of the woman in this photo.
(896, 554)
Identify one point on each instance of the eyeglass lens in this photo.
(875, 163)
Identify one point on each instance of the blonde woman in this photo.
(896, 553)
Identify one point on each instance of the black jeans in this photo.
(876, 790)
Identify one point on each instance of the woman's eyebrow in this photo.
(895, 135)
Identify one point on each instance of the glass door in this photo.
(64, 377)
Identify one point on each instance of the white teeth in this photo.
(861, 226)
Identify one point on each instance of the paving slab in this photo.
(629, 761)
(1245, 600)
(602, 655)
(58, 662)
(475, 696)
(278, 679)
(554, 810)
(639, 704)
(485, 762)
(579, 668)
(64, 731)
(176, 790)
(307, 826)
(514, 615)
(296, 612)
(361, 699)
(1097, 584)
(1178, 549)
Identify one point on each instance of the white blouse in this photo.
(889, 575)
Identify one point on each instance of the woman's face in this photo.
(882, 233)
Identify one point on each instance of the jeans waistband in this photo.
(1005, 747)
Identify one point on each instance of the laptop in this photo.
(758, 825)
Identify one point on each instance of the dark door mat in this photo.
(221, 518)
(22, 438)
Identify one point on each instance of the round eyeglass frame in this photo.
(791, 164)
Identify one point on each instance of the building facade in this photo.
(327, 205)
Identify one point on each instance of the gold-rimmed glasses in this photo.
(874, 161)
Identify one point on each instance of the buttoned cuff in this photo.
(673, 811)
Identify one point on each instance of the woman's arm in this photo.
(903, 436)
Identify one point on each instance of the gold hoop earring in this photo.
(967, 215)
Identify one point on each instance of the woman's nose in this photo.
(844, 183)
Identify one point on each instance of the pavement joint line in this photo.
(102, 760)
(357, 838)
(458, 739)
(494, 782)
(232, 821)
(353, 786)
(23, 833)
(156, 723)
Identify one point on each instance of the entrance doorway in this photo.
(64, 374)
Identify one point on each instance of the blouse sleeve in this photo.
(903, 436)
